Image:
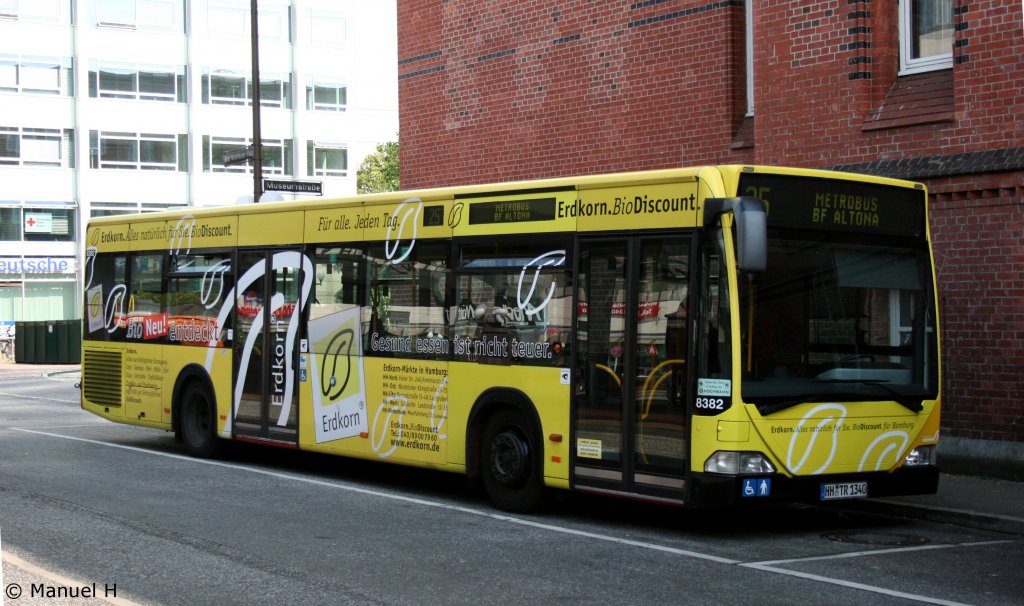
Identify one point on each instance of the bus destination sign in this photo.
(836, 205)
(512, 211)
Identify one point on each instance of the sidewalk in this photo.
(974, 501)
(12, 370)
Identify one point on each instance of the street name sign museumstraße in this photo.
(294, 187)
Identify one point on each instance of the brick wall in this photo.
(496, 90)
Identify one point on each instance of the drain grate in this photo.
(877, 538)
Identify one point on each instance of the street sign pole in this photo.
(257, 136)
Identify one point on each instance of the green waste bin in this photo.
(63, 354)
(74, 341)
(19, 342)
(50, 347)
(26, 335)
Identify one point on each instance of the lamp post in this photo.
(257, 137)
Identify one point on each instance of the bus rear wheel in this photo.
(198, 422)
(511, 463)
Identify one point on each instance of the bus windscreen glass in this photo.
(845, 309)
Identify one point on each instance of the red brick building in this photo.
(497, 90)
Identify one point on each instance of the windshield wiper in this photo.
(901, 399)
(767, 409)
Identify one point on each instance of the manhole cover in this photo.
(877, 538)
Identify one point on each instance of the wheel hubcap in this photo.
(510, 455)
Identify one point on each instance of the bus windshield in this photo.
(838, 317)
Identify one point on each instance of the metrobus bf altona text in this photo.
(696, 336)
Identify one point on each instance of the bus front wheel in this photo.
(511, 462)
(198, 422)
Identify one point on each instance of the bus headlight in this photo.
(738, 463)
(920, 456)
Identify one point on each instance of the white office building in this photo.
(116, 106)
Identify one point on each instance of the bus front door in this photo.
(267, 316)
(632, 328)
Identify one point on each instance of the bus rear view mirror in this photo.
(751, 218)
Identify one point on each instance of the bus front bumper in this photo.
(711, 490)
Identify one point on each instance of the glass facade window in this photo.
(160, 15)
(144, 82)
(326, 28)
(10, 224)
(36, 147)
(109, 209)
(326, 159)
(38, 223)
(326, 96)
(277, 155)
(233, 19)
(226, 87)
(42, 224)
(132, 151)
(36, 75)
(38, 11)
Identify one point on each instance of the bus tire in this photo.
(510, 462)
(198, 422)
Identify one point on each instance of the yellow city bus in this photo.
(694, 336)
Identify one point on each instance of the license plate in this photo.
(845, 490)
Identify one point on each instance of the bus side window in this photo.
(106, 300)
(714, 328)
(197, 292)
(514, 303)
(407, 302)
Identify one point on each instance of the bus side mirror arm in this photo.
(751, 217)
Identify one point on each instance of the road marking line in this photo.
(857, 554)
(18, 395)
(854, 585)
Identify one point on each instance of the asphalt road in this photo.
(90, 505)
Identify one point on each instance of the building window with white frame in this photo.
(158, 15)
(138, 151)
(48, 224)
(926, 35)
(229, 87)
(37, 147)
(38, 221)
(232, 19)
(113, 80)
(277, 155)
(327, 28)
(108, 209)
(10, 223)
(36, 75)
(326, 159)
(326, 95)
(38, 11)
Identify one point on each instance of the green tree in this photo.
(379, 171)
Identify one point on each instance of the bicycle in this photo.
(6, 345)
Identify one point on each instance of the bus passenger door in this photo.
(631, 366)
(268, 313)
